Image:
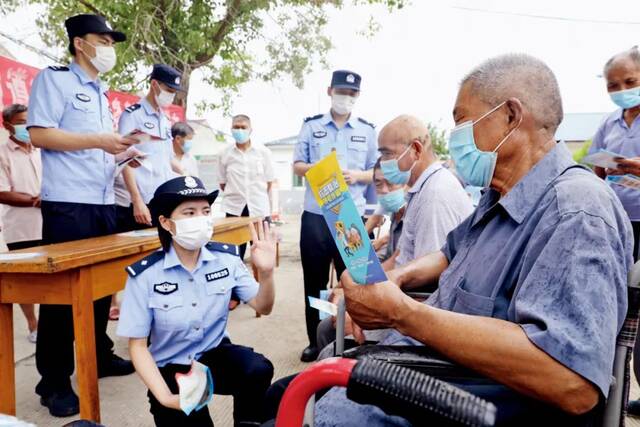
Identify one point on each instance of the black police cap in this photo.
(345, 79)
(80, 25)
(167, 75)
(177, 190)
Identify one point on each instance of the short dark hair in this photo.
(377, 166)
(181, 129)
(241, 117)
(12, 110)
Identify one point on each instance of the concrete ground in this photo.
(280, 336)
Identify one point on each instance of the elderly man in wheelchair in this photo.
(531, 287)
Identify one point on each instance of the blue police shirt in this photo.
(356, 144)
(66, 98)
(156, 168)
(184, 313)
(616, 136)
(551, 256)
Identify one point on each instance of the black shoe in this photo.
(116, 367)
(309, 354)
(633, 408)
(63, 404)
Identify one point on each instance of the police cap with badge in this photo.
(167, 75)
(177, 190)
(80, 25)
(345, 79)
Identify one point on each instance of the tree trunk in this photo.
(182, 97)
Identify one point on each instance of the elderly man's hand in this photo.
(374, 306)
(631, 165)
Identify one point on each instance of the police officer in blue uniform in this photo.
(178, 298)
(137, 185)
(355, 142)
(69, 118)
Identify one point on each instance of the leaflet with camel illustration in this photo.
(344, 221)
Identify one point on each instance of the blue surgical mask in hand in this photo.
(22, 134)
(392, 201)
(240, 135)
(475, 166)
(628, 98)
(392, 172)
(195, 388)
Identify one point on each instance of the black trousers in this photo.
(62, 222)
(236, 371)
(24, 244)
(125, 220)
(317, 250)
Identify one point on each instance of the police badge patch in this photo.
(83, 97)
(319, 134)
(217, 275)
(165, 288)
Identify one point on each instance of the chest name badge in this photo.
(149, 125)
(217, 275)
(165, 288)
(319, 134)
(359, 138)
(83, 97)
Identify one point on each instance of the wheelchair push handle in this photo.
(395, 389)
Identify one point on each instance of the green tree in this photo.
(438, 141)
(581, 152)
(231, 41)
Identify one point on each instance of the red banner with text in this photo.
(15, 85)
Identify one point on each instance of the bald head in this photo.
(523, 77)
(406, 139)
(404, 129)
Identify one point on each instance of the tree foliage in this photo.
(438, 141)
(231, 41)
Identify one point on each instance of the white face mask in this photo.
(105, 58)
(194, 232)
(342, 104)
(164, 99)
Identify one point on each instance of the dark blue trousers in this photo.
(63, 222)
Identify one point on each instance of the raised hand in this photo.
(263, 247)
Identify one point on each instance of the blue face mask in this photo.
(187, 146)
(240, 135)
(392, 201)
(392, 172)
(476, 167)
(21, 133)
(628, 98)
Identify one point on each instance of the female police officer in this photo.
(178, 298)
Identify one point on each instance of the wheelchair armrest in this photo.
(417, 358)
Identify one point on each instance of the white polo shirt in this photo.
(245, 175)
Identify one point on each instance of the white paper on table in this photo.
(140, 233)
(604, 159)
(323, 306)
(629, 181)
(19, 256)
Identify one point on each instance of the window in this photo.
(298, 181)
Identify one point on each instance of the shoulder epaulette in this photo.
(366, 122)
(136, 268)
(58, 68)
(223, 247)
(133, 107)
(316, 117)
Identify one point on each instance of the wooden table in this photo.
(77, 273)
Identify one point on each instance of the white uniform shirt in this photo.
(189, 165)
(245, 175)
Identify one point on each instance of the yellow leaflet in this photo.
(326, 180)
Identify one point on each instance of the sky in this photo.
(414, 63)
